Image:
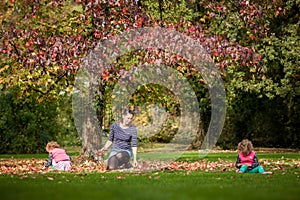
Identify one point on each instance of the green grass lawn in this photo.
(158, 184)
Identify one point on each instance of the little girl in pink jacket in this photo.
(58, 157)
(247, 162)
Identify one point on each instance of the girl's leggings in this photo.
(258, 169)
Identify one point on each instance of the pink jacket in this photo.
(249, 159)
(59, 155)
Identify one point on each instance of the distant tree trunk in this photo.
(160, 10)
(198, 141)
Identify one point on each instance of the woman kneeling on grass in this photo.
(247, 162)
(123, 136)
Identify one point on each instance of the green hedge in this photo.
(25, 127)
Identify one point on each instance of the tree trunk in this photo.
(85, 113)
(91, 138)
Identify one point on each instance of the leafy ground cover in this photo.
(212, 177)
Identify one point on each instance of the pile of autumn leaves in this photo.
(80, 164)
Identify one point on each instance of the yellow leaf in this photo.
(252, 69)
(56, 68)
(4, 68)
(70, 89)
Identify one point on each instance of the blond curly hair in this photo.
(245, 146)
(51, 145)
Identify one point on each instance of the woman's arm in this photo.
(134, 147)
(134, 152)
(106, 146)
(110, 138)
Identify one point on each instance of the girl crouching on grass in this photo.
(58, 157)
(247, 162)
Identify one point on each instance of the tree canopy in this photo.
(254, 44)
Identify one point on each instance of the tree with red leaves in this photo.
(44, 42)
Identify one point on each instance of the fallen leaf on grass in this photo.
(81, 166)
(82, 174)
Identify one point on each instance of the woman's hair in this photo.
(128, 111)
(51, 145)
(245, 146)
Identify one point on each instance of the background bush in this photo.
(26, 126)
